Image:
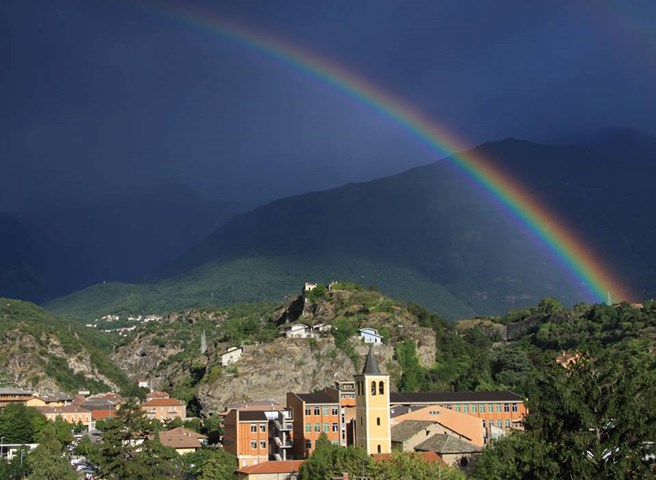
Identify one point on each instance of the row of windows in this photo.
(480, 408)
(263, 445)
(308, 444)
(322, 410)
(317, 427)
(254, 427)
(380, 388)
(499, 423)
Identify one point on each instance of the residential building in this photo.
(182, 440)
(370, 335)
(503, 410)
(14, 395)
(246, 435)
(164, 409)
(314, 414)
(69, 413)
(372, 408)
(231, 356)
(344, 393)
(49, 401)
(298, 330)
(286, 470)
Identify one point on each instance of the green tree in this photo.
(155, 461)
(47, 461)
(20, 424)
(214, 464)
(594, 419)
(328, 460)
(411, 465)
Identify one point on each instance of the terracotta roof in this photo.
(181, 438)
(162, 402)
(447, 444)
(430, 457)
(285, 466)
(406, 430)
(64, 409)
(102, 414)
(455, 397)
(158, 395)
(262, 405)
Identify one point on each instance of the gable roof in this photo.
(162, 402)
(283, 466)
(181, 438)
(444, 444)
(371, 365)
(406, 430)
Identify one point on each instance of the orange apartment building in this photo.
(256, 436)
(164, 409)
(314, 414)
(498, 410)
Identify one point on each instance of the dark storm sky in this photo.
(107, 96)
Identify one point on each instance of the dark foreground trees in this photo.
(594, 419)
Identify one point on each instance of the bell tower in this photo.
(372, 408)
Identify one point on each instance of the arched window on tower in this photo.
(381, 387)
(373, 388)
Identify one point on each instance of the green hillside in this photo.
(255, 279)
(39, 348)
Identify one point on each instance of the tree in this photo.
(411, 465)
(213, 464)
(594, 419)
(20, 424)
(328, 460)
(47, 462)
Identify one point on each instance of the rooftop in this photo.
(162, 402)
(444, 444)
(14, 391)
(319, 397)
(285, 466)
(452, 397)
(371, 365)
(253, 415)
(406, 430)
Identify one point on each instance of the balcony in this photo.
(280, 444)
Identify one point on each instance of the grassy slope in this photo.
(255, 279)
(30, 319)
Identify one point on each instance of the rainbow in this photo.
(576, 257)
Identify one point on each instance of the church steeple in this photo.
(371, 364)
(372, 408)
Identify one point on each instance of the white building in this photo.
(231, 356)
(370, 335)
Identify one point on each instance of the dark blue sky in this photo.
(107, 96)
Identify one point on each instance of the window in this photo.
(507, 423)
(457, 407)
(465, 409)
(336, 443)
(373, 388)
(254, 444)
(308, 427)
(325, 410)
(506, 407)
(335, 427)
(253, 427)
(263, 444)
(490, 408)
(335, 411)
(317, 427)
(380, 450)
(262, 427)
(308, 411)
(498, 407)
(317, 411)
(378, 421)
(381, 387)
(514, 407)
(308, 444)
(499, 424)
(326, 427)
(474, 409)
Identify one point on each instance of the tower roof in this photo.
(371, 365)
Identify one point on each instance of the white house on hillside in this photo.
(370, 335)
(231, 356)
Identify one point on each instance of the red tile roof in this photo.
(285, 466)
(162, 402)
(181, 438)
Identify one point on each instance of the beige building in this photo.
(164, 409)
(69, 413)
(372, 408)
(285, 470)
(182, 440)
